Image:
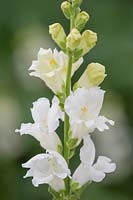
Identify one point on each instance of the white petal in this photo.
(96, 175)
(105, 165)
(87, 152)
(40, 110)
(54, 115)
(47, 140)
(34, 65)
(81, 175)
(101, 125)
(57, 184)
(79, 130)
(39, 169)
(61, 169)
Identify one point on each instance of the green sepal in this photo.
(56, 195)
(74, 186)
(75, 86)
(77, 54)
(72, 153)
(61, 96)
(72, 143)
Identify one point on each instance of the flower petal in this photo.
(57, 184)
(47, 140)
(104, 164)
(101, 125)
(54, 115)
(87, 152)
(96, 175)
(40, 110)
(81, 175)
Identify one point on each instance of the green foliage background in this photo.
(23, 29)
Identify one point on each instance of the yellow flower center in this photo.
(84, 109)
(52, 61)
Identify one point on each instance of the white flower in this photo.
(50, 168)
(83, 107)
(87, 170)
(51, 67)
(46, 121)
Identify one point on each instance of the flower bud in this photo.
(81, 20)
(77, 2)
(66, 9)
(58, 35)
(88, 41)
(93, 76)
(73, 39)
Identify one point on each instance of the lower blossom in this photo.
(89, 171)
(50, 168)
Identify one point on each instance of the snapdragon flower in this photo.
(46, 121)
(89, 171)
(51, 67)
(50, 168)
(83, 107)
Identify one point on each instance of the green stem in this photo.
(67, 93)
(66, 120)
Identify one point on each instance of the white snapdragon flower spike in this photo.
(83, 107)
(50, 168)
(51, 67)
(46, 121)
(87, 170)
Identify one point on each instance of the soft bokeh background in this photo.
(23, 30)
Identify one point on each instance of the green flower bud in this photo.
(73, 39)
(93, 76)
(81, 20)
(58, 35)
(77, 2)
(66, 9)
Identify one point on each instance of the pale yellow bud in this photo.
(81, 20)
(88, 41)
(66, 9)
(73, 39)
(58, 34)
(92, 76)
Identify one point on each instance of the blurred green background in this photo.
(23, 30)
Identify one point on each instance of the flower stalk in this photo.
(79, 107)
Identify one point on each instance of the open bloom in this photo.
(51, 67)
(83, 107)
(50, 168)
(87, 170)
(46, 121)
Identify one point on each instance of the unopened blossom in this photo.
(81, 20)
(88, 41)
(89, 171)
(83, 107)
(50, 168)
(66, 9)
(58, 34)
(51, 67)
(46, 121)
(73, 39)
(94, 75)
